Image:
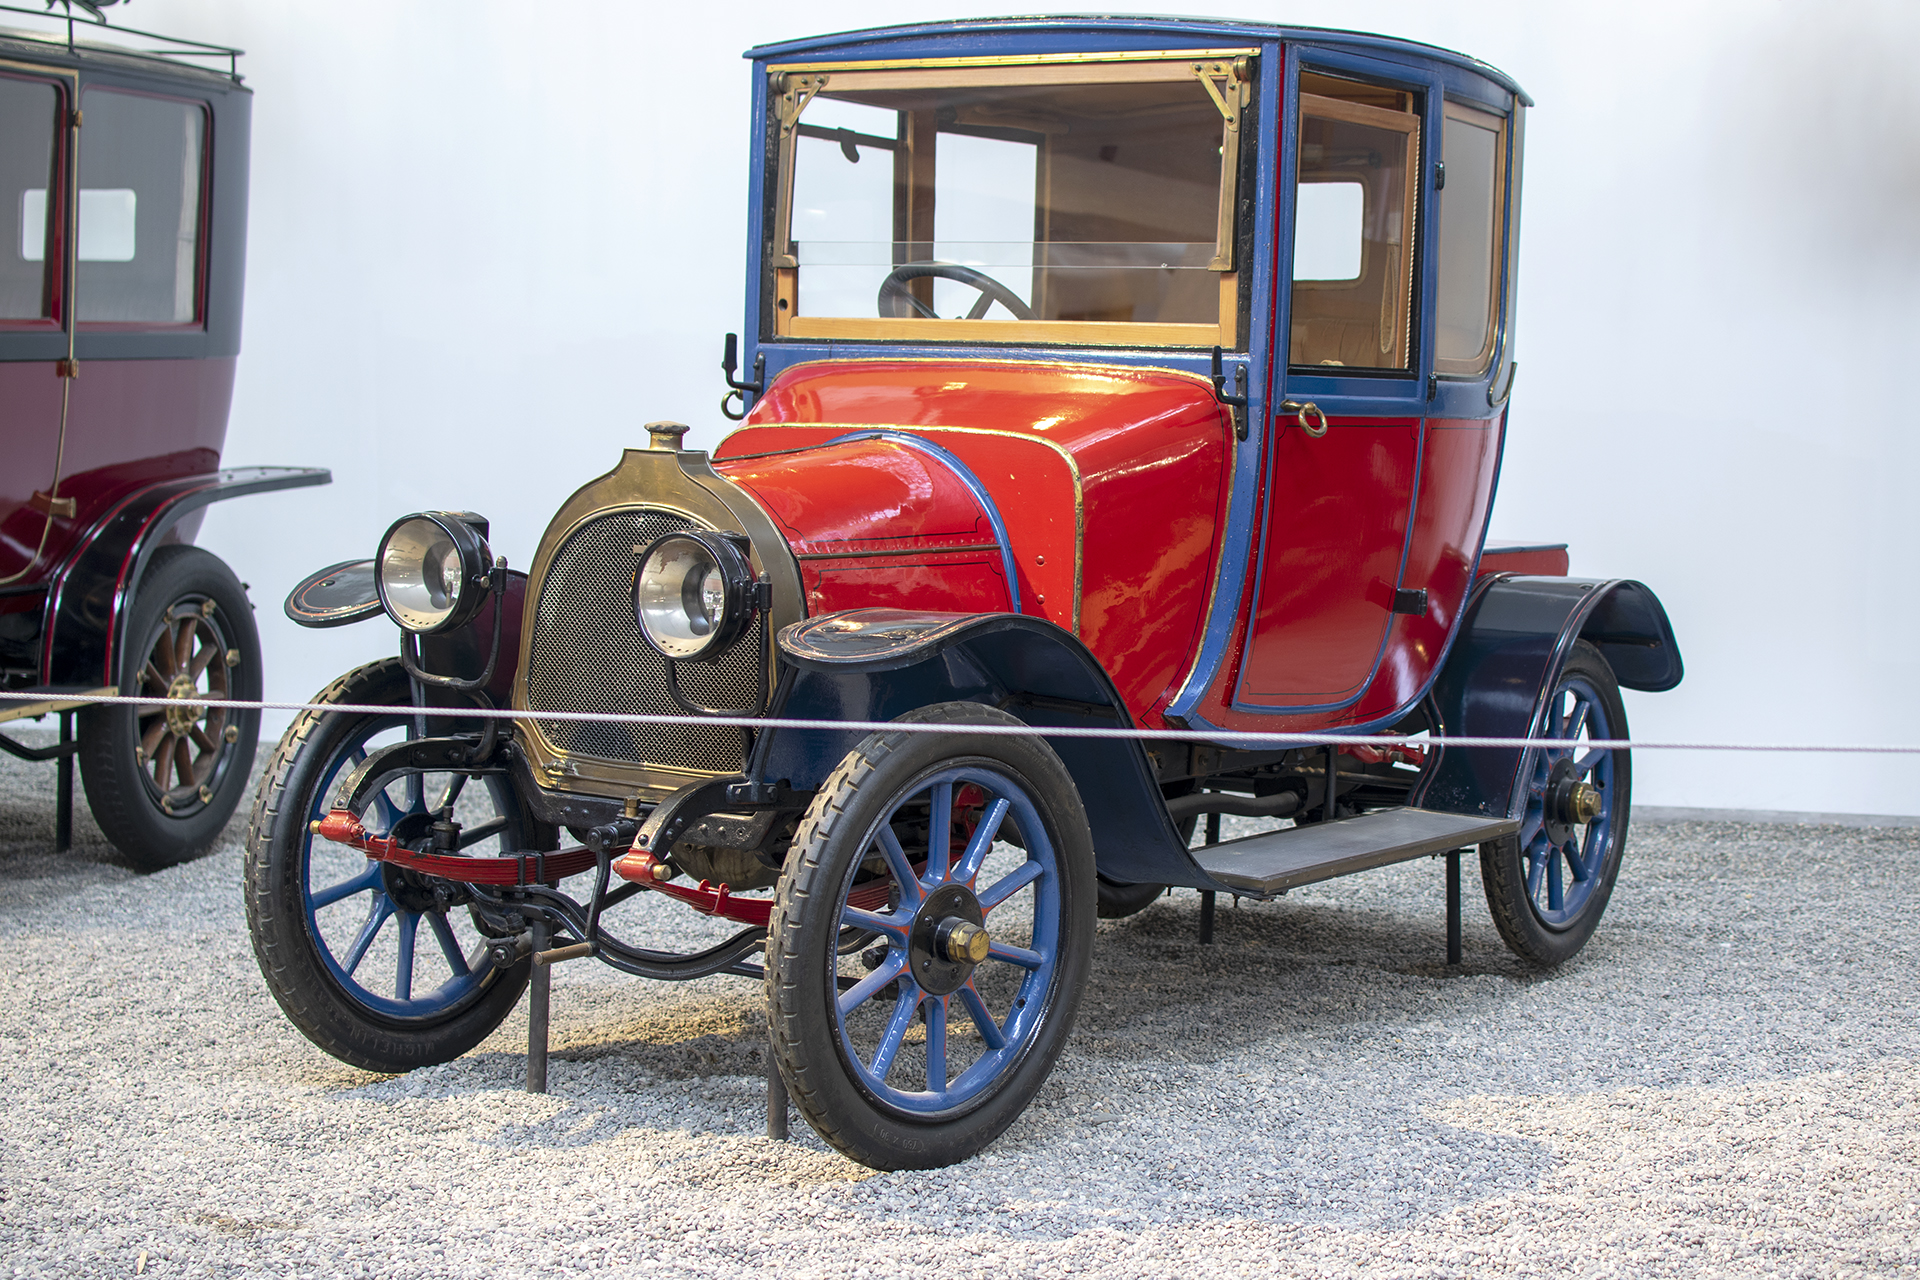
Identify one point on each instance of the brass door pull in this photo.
(1306, 413)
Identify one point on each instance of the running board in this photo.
(1276, 861)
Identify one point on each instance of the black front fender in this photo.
(877, 664)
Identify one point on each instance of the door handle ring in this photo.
(1304, 413)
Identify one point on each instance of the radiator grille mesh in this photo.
(587, 655)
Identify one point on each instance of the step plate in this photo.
(1277, 861)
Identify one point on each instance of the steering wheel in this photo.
(898, 303)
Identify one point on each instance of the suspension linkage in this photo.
(342, 827)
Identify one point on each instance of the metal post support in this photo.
(776, 1098)
(539, 992)
(63, 789)
(1453, 906)
(1206, 895)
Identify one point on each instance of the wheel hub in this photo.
(182, 715)
(948, 939)
(1571, 802)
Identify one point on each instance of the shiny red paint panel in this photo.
(129, 423)
(1544, 560)
(875, 523)
(1459, 460)
(1338, 507)
(1112, 483)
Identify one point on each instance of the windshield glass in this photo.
(943, 204)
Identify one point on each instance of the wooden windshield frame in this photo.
(1226, 75)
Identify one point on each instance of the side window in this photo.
(29, 115)
(1472, 149)
(141, 166)
(1353, 226)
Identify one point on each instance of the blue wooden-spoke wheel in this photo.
(967, 862)
(1549, 884)
(379, 965)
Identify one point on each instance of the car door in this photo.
(1344, 434)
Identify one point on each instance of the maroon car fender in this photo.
(89, 593)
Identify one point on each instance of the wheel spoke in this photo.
(937, 1044)
(983, 838)
(910, 887)
(367, 879)
(389, 812)
(1536, 868)
(1010, 884)
(377, 912)
(977, 1010)
(903, 1010)
(183, 761)
(197, 667)
(481, 831)
(403, 968)
(449, 945)
(1577, 862)
(162, 758)
(1011, 954)
(414, 788)
(940, 835)
(1578, 720)
(201, 740)
(183, 645)
(150, 675)
(1556, 879)
(893, 924)
(150, 741)
(862, 991)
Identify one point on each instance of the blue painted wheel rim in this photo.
(382, 964)
(1003, 1004)
(1562, 877)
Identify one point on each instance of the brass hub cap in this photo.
(948, 939)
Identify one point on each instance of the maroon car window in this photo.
(1468, 212)
(1353, 226)
(28, 117)
(140, 179)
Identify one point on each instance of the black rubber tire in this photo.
(801, 945)
(1118, 901)
(283, 943)
(1503, 870)
(154, 827)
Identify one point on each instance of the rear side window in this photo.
(141, 166)
(1473, 150)
(29, 117)
(1353, 226)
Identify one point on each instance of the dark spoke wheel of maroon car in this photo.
(163, 781)
(969, 860)
(1548, 885)
(380, 966)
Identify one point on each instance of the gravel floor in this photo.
(1726, 1082)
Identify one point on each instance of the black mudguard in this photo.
(90, 593)
(877, 664)
(1515, 636)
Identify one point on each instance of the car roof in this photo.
(1357, 41)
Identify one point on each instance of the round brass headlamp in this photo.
(692, 594)
(431, 571)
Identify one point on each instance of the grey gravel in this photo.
(1726, 1082)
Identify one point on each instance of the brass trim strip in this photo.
(1030, 59)
(1108, 333)
(33, 710)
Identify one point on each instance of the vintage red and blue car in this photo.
(1130, 374)
(123, 188)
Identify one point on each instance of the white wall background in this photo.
(489, 240)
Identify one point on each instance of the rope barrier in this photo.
(981, 730)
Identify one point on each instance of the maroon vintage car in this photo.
(123, 195)
(1120, 388)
